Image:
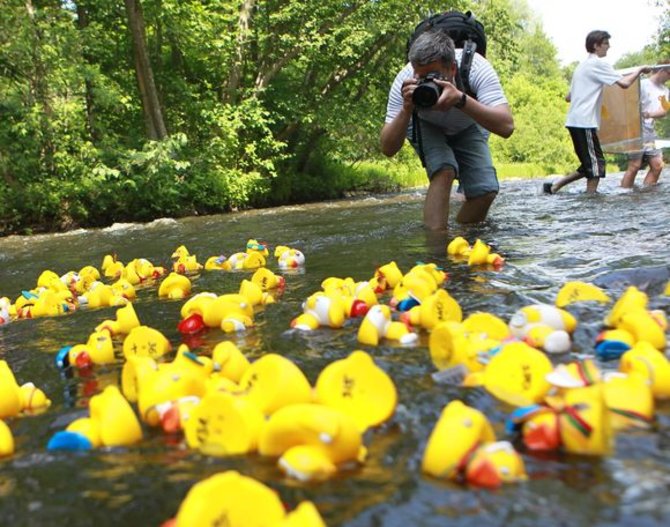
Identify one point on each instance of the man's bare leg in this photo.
(655, 167)
(628, 179)
(475, 210)
(436, 206)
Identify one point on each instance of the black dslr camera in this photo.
(427, 91)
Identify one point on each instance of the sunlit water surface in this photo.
(614, 239)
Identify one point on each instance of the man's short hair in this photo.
(432, 46)
(595, 38)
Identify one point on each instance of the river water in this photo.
(613, 239)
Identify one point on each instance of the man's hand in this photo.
(451, 95)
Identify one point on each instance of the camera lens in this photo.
(426, 94)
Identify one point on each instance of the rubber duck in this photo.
(272, 382)
(187, 265)
(51, 304)
(632, 299)
(452, 346)
(412, 289)
(320, 310)
(242, 502)
(629, 399)
(6, 440)
(111, 267)
(612, 343)
(378, 324)
(254, 246)
(311, 440)
(438, 307)
(228, 361)
(666, 292)
(481, 255)
(123, 288)
(645, 326)
(544, 326)
(650, 364)
(222, 424)
(126, 320)
(246, 261)
(579, 423)
(289, 258)
(218, 263)
(486, 325)
(517, 374)
(112, 422)
(101, 295)
(15, 399)
(5, 305)
(357, 297)
(175, 286)
(267, 280)
(160, 390)
(386, 277)
(144, 341)
(463, 447)
(359, 388)
(459, 248)
(197, 304)
(99, 349)
(230, 312)
(255, 294)
(576, 291)
(180, 252)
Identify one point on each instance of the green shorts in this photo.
(466, 153)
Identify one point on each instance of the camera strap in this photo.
(416, 137)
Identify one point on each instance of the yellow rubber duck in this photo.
(488, 325)
(111, 267)
(462, 446)
(180, 252)
(112, 422)
(144, 341)
(272, 382)
(651, 365)
(197, 304)
(15, 399)
(666, 292)
(6, 440)
(175, 286)
(254, 246)
(320, 310)
(459, 248)
(643, 325)
(124, 289)
(632, 299)
(187, 265)
(289, 258)
(229, 361)
(552, 316)
(630, 401)
(222, 424)
(451, 346)
(99, 349)
(386, 277)
(438, 307)
(254, 293)
(246, 261)
(576, 291)
(378, 324)
(126, 320)
(230, 306)
(218, 263)
(267, 280)
(481, 254)
(517, 374)
(311, 440)
(359, 388)
(241, 502)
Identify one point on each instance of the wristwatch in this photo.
(461, 102)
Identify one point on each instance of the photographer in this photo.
(450, 136)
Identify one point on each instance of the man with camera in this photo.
(448, 127)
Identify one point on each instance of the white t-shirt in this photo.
(586, 91)
(649, 94)
(484, 82)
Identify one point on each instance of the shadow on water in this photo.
(613, 239)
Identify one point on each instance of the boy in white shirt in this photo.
(583, 121)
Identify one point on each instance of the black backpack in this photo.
(467, 33)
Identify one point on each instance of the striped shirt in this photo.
(484, 82)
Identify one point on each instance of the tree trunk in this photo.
(82, 23)
(40, 90)
(153, 115)
(236, 71)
